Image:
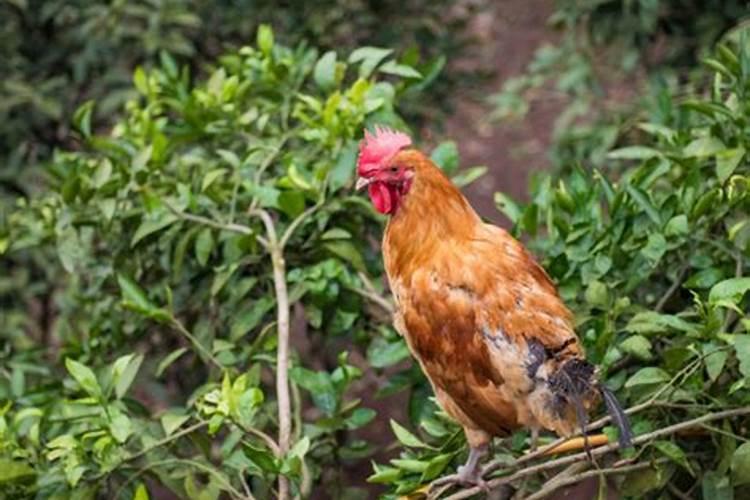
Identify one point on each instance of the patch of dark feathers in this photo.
(572, 383)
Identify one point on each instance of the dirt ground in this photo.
(509, 31)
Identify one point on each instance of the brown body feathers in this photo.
(481, 316)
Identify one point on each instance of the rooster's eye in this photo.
(394, 169)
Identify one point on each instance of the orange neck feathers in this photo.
(432, 211)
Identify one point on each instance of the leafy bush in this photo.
(610, 52)
(651, 249)
(186, 234)
(56, 54)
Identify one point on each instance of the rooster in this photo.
(479, 314)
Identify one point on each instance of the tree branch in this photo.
(232, 227)
(177, 325)
(601, 450)
(282, 354)
(553, 486)
(296, 222)
(370, 292)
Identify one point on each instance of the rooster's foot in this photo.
(470, 474)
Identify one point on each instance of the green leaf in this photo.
(393, 68)
(82, 118)
(382, 353)
(633, 153)
(211, 176)
(152, 224)
(140, 80)
(655, 248)
(347, 251)
(732, 289)
(410, 465)
(716, 486)
(249, 318)
(469, 175)
(674, 453)
(319, 385)
(637, 484)
(741, 465)
(704, 278)
(292, 202)
(405, 437)
(324, 73)
(204, 244)
(677, 226)
(169, 359)
(643, 201)
(715, 361)
(508, 207)
(369, 57)
(647, 376)
(653, 322)
(445, 156)
(597, 294)
(124, 371)
(172, 421)
(134, 294)
(436, 465)
(384, 475)
(141, 493)
(742, 348)
(70, 250)
(84, 376)
(638, 346)
(727, 161)
(300, 448)
(360, 417)
(120, 426)
(265, 39)
(15, 471)
(704, 146)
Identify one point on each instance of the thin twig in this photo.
(265, 438)
(676, 492)
(372, 293)
(382, 302)
(246, 486)
(230, 226)
(165, 441)
(296, 222)
(265, 164)
(577, 478)
(177, 325)
(676, 284)
(234, 492)
(601, 450)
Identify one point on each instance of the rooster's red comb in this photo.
(378, 148)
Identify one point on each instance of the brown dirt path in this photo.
(509, 31)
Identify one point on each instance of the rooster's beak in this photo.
(362, 182)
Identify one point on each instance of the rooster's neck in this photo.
(432, 213)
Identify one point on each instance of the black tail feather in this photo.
(619, 417)
(575, 379)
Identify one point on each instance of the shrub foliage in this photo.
(650, 247)
(212, 291)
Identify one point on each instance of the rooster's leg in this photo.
(470, 472)
(479, 445)
(534, 439)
